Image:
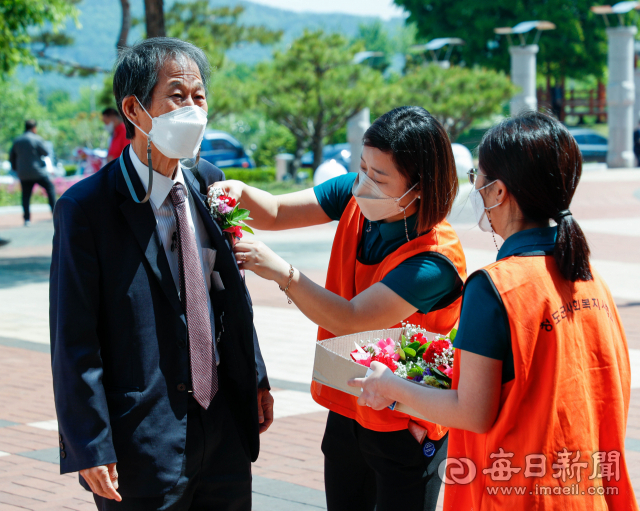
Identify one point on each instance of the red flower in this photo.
(236, 230)
(420, 338)
(385, 359)
(435, 350)
(230, 200)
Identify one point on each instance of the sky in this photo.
(384, 9)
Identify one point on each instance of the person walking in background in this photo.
(26, 160)
(115, 127)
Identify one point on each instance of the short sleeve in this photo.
(422, 281)
(334, 195)
(484, 326)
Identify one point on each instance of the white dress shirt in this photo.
(166, 225)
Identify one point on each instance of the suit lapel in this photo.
(142, 222)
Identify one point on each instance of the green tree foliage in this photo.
(313, 88)
(575, 49)
(21, 22)
(375, 38)
(65, 122)
(214, 29)
(231, 90)
(457, 97)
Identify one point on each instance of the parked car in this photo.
(339, 152)
(224, 151)
(593, 146)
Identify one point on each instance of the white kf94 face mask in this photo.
(479, 209)
(373, 202)
(177, 134)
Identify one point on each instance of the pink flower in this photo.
(223, 209)
(359, 356)
(236, 230)
(445, 369)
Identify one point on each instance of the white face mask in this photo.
(177, 134)
(477, 202)
(373, 202)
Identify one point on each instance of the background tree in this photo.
(214, 29)
(154, 18)
(125, 25)
(313, 88)
(21, 24)
(457, 96)
(231, 90)
(575, 49)
(375, 38)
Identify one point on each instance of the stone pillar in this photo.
(636, 105)
(523, 75)
(621, 97)
(283, 164)
(356, 127)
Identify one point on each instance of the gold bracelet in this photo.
(286, 289)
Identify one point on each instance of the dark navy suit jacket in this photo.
(118, 340)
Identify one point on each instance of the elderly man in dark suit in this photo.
(25, 156)
(156, 365)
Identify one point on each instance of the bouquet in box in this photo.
(226, 212)
(414, 357)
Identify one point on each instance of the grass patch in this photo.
(282, 187)
(14, 197)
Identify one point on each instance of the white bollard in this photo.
(356, 128)
(523, 75)
(621, 97)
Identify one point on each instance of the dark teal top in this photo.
(484, 326)
(424, 280)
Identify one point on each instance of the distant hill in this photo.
(100, 25)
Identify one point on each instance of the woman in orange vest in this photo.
(394, 258)
(540, 396)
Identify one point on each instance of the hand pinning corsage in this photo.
(226, 212)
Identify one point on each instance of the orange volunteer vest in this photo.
(348, 277)
(564, 414)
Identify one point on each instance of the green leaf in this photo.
(400, 352)
(409, 352)
(403, 341)
(441, 376)
(415, 371)
(421, 350)
(453, 334)
(414, 345)
(241, 214)
(246, 228)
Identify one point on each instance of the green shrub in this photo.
(259, 175)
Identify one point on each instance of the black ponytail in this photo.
(540, 163)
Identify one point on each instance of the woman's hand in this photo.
(261, 260)
(375, 387)
(231, 188)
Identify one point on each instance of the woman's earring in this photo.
(493, 233)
